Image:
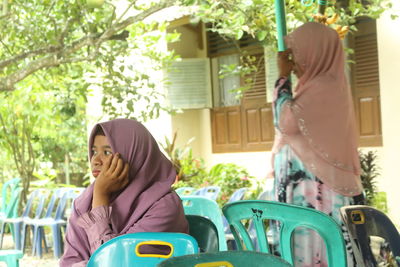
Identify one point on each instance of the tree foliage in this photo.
(233, 18)
(38, 125)
(117, 41)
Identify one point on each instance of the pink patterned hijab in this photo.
(323, 110)
(150, 172)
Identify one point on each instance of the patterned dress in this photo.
(296, 185)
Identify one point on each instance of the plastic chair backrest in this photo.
(10, 194)
(210, 192)
(185, 191)
(363, 222)
(204, 231)
(69, 195)
(290, 217)
(36, 198)
(227, 259)
(238, 194)
(56, 196)
(203, 206)
(12, 206)
(124, 250)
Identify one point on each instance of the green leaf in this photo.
(261, 35)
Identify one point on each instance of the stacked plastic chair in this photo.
(185, 190)
(11, 192)
(203, 206)
(211, 192)
(237, 195)
(204, 231)
(53, 218)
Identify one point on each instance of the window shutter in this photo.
(218, 45)
(189, 84)
(365, 83)
(258, 87)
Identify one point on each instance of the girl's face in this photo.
(101, 150)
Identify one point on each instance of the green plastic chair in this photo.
(11, 257)
(185, 191)
(10, 194)
(204, 231)
(227, 259)
(125, 250)
(203, 206)
(290, 217)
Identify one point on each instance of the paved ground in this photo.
(29, 261)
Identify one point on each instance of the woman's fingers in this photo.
(114, 163)
(118, 168)
(107, 163)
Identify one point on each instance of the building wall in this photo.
(389, 65)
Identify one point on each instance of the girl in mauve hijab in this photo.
(131, 193)
(315, 157)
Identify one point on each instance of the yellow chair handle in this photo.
(154, 242)
(357, 217)
(215, 264)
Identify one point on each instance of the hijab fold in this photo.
(323, 110)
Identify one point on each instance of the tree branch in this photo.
(64, 54)
(45, 50)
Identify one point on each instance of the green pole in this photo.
(280, 23)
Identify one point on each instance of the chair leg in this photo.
(2, 234)
(35, 238)
(23, 238)
(12, 262)
(43, 234)
(56, 240)
(17, 235)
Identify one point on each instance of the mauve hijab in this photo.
(151, 174)
(322, 109)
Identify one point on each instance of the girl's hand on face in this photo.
(285, 64)
(113, 176)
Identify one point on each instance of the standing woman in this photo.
(131, 193)
(315, 156)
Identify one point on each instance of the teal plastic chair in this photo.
(185, 191)
(204, 231)
(226, 259)
(124, 250)
(11, 257)
(10, 194)
(203, 206)
(290, 217)
(211, 192)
